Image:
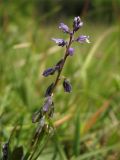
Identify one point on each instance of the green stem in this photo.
(64, 60)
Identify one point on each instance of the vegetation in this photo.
(86, 120)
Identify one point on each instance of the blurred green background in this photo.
(88, 119)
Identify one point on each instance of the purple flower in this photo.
(59, 64)
(48, 103)
(77, 23)
(60, 42)
(67, 86)
(49, 90)
(71, 51)
(64, 28)
(83, 39)
(48, 72)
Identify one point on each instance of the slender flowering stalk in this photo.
(44, 115)
(64, 60)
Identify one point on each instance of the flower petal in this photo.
(49, 90)
(71, 51)
(83, 39)
(77, 23)
(59, 64)
(59, 41)
(67, 86)
(48, 103)
(49, 71)
(64, 28)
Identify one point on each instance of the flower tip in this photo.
(83, 39)
(87, 40)
(64, 28)
(77, 23)
(59, 41)
(81, 24)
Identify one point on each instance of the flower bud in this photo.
(59, 65)
(49, 71)
(83, 39)
(49, 90)
(77, 23)
(71, 51)
(64, 28)
(60, 42)
(67, 86)
(48, 103)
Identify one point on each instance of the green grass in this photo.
(91, 129)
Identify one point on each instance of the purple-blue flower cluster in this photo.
(77, 24)
(48, 106)
(45, 113)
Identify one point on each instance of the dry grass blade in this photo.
(62, 120)
(22, 45)
(93, 119)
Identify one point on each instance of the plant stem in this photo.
(37, 134)
(64, 60)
